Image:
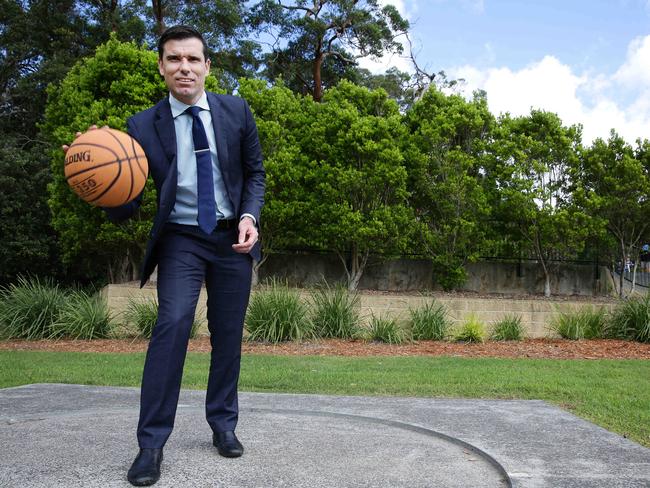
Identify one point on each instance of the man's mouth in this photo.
(184, 80)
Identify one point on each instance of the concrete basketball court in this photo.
(55, 435)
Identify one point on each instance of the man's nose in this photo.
(185, 65)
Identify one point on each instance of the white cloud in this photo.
(407, 9)
(636, 67)
(598, 101)
(474, 6)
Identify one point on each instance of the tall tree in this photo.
(613, 185)
(356, 177)
(313, 38)
(531, 170)
(281, 116)
(449, 136)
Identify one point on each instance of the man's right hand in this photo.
(65, 147)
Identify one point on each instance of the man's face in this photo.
(184, 68)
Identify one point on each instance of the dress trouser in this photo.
(186, 258)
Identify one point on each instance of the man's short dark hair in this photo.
(179, 32)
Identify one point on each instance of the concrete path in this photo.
(83, 436)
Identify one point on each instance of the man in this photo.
(207, 166)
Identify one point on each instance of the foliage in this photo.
(336, 175)
(449, 135)
(335, 312)
(613, 185)
(281, 118)
(143, 315)
(83, 316)
(429, 322)
(29, 308)
(631, 319)
(385, 329)
(356, 186)
(584, 323)
(509, 328)
(321, 40)
(28, 239)
(472, 330)
(276, 313)
(532, 157)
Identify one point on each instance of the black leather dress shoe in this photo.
(227, 444)
(145, 470)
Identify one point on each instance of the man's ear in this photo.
(160, 67)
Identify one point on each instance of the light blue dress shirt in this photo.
(186, 209)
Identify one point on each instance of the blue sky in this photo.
(588, 61)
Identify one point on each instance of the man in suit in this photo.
(205, 230)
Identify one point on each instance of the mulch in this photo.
(529, 348)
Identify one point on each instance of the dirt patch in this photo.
(530, 348)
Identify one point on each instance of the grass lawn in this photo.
(612, 393)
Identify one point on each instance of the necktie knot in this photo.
(193, 111)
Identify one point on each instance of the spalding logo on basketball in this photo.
(106, 167)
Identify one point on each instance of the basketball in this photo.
(106, 167)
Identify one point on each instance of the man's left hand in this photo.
(247, 236)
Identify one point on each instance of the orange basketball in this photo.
(106, 167)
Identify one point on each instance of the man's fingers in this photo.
(247, 239)
(65, 147)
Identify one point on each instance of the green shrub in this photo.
(143, 314)
(277, 314)
(386, 329)
(584, 323)
(83, 316)
(631, 319)
(29, 307)
(472, 330)
(335, 312)
(508, 328)
(429, 322)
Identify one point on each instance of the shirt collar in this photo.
(179, 107)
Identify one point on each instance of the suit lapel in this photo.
(165, 128)
(219, 125)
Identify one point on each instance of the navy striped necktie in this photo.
(204, 179)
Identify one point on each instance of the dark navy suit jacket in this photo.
(240, 161)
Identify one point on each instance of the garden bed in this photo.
(529, 348)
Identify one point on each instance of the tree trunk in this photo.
(159, 15)
(540, 257)
(622, 273)
(318, 82)
(355, 266)
(255, 278)
(547, 284)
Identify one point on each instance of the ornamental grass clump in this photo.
(429, 322)
(385, 329)
(584, 323)
(509, 328)
(83, 316)
(276, 313)
(472, 330)
(631, 319)
(29, 308)
(335, 312)
(143, 314)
